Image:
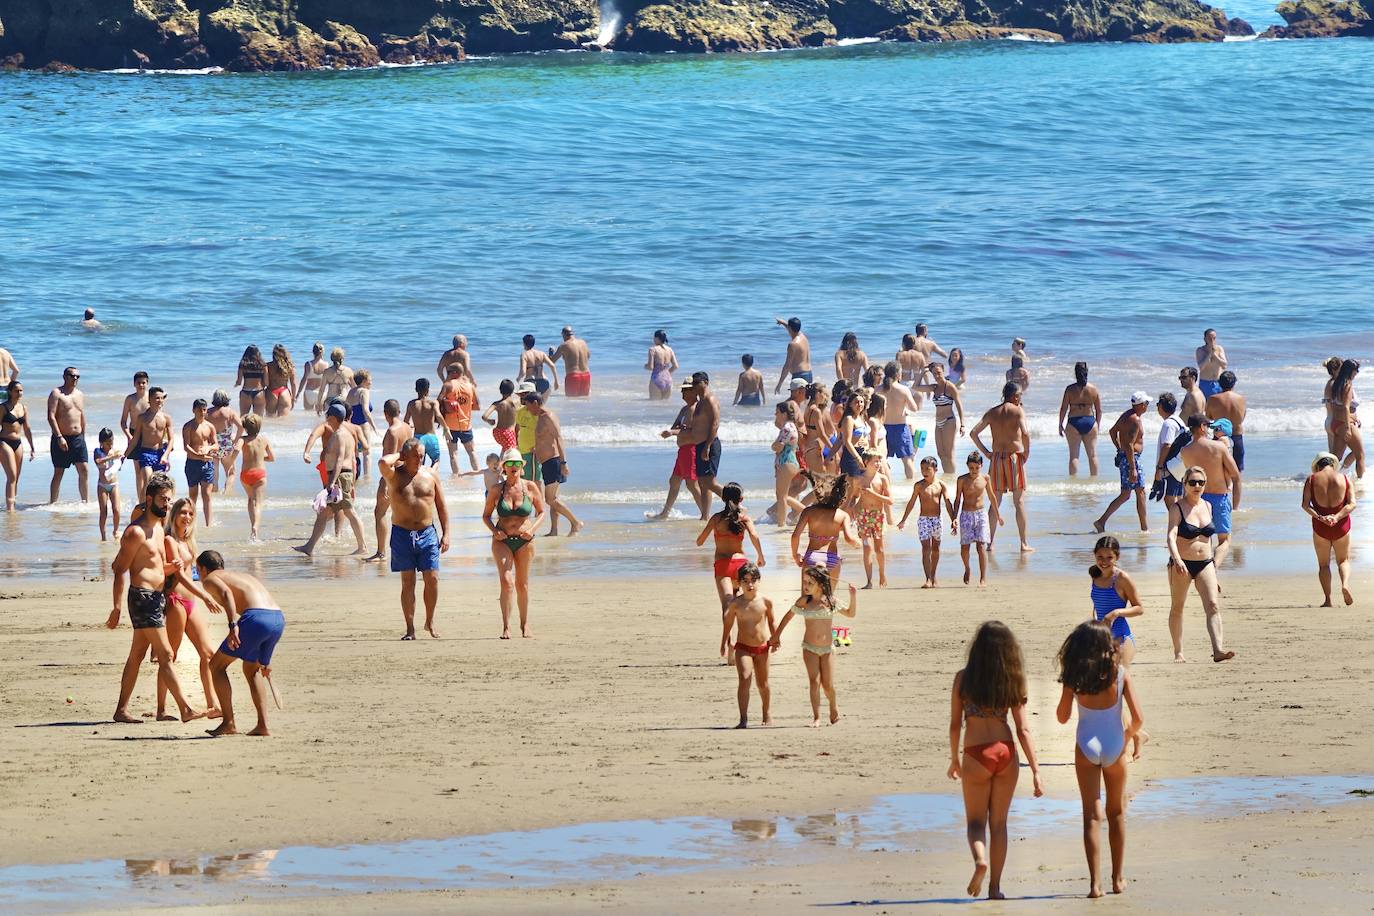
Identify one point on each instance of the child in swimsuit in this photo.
(257, 451)
(751, 617)
(931, 493)
(107, 487)
(730, 526)
(970, 501)
(873, 502)
(816, 606)
(1092, 675)
(991, 684)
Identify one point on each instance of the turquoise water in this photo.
(1103, 201)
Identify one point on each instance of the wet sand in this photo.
(620, 709)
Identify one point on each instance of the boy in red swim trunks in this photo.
(751, 616)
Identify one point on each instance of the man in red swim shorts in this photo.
(685, 465)
(577, 375)
(1010, 449)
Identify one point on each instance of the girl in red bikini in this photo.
(730, 526)
(991, 684)
(182, 592)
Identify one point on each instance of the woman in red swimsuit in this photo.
(730, 526)
(1328, 498)
(990, 685)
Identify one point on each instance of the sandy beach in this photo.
(619, 709)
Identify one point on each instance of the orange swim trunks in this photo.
(577, 384)
(1008, 473)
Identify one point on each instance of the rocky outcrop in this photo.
(1323, 19)
(281, 34)
(311, 34)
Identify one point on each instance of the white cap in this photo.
(525, 388)
(1139, 398)
(798, 383)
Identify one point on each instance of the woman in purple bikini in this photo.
(825, 523)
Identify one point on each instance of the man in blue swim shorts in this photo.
(1128, 435)
(202, 447)
(417, 500)
(255, 626)
(1223, 479)
(1211, 363)
(150, 439)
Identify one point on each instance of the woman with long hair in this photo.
(786, 462)
(281, 382)
(1345, 426)
(958, 370)
(824, 523)
(252, 381)
(312, 377)
(991, 685)
(513, 512)
(850, 361)
(337, 379)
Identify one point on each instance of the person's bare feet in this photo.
(925, 584)
(359, 552)
(866, 587)
(260, 732)
(995, 893)
(526, 633)
(1327, 602)
(409, 636)
(975, 884)
(505, 634)
(767, 720)
(376, 556)
(429, 628)
(122, 716)
(1349, 598)
(302, 549)
(742, 724)
(882, 582)
(1179, 659)
(1118, 885)
(1099, 526)
(166, 717)
(214, 713)
(188, 714)
(551, 533)
(1095, 892)
(1026, 548)
(1224, 657)
(834, 716)
(815, 723)
(967, 576)
(224, 728)
(577, 526)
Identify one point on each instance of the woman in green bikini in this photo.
(817, 607)
(518, 507)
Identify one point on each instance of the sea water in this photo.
(1105, 202)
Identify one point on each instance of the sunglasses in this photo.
(513, 465)
(72, 376)
(1197, 483)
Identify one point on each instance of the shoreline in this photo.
(594, 722)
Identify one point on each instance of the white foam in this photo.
(847, 42)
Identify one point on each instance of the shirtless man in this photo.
(338, 454)
(312, 378)
(457, 398)
(1008, 455)
(134, 404)
(255, 626)
(751, 617)
(552, 456)
(423, 417)
(9, 370)
(1193, 401)
(1223, 479)
(1128, 435)
(457, 356)
(532, 365)
(1228, 405)
(198, 438)
(142, 567)
(398, 433)
(89, 321)
(417, 500)
(150, 439)
(1211, 362)
(228, 426)
(705, 426)
(930, 491)
(685, 465)
(925, 344)
(898, 401)
(970, 494)
(798, 361)
(577, 374)
(67, 420)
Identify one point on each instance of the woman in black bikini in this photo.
(1190, 560)
(14, 424)
(518, 507)
(252, 382)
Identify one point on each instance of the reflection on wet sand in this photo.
(231, 867)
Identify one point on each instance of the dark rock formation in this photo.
(1322, 19)
(310, 34)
